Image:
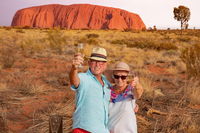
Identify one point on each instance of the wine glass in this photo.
(134, 76)
(81, 51)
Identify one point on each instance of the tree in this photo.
(182, 14)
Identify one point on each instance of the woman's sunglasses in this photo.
(123, 77)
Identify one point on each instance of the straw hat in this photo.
(121, 66)
(98, 54)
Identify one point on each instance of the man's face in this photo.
(97, 67)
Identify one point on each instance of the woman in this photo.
(122, 117)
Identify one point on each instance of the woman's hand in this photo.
(134, 82)
(136, 108)
(138, 89)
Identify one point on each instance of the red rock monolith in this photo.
(78, 16)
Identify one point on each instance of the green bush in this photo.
(191, 57)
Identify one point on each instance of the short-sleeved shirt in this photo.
(92, 100)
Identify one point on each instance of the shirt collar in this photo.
(91, 74)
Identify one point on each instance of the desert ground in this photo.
(34, 82)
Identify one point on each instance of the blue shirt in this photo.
(92, 101)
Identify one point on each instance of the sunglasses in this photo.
(123, 77)
(98, 62)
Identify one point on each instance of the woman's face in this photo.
(120, 78)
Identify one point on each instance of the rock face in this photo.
(78, 16)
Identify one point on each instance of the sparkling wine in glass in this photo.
(81, 51)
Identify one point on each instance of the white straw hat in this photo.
(98, 54)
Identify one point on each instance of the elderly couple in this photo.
(100, 106)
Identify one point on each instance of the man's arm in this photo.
(73, 75)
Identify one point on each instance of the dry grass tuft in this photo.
(149, 91)
(192, 91)
(8, 56)
(3, 87)
(64, 109)
(191, 57)
(140, 49)
(178, 121)
(25, 84)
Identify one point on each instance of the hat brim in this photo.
(97, 58)
(120, 69)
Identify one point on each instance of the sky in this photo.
(152, 12)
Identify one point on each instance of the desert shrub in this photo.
(194, 33)
(26, 27)
(3, 123)
(191, 57)
(170, 53)
(92, 35)
(91, 41)
(31, 46)
(150, 92)
(7, 56)
(25, 84)
(184, 39)
(8, 28)
(56, 40)
(146, 43)
(178, 121)
(166, 37)
(20, 31)
(3, 87)
(192, 91)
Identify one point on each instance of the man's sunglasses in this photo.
(123, 77)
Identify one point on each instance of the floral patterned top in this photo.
(127, 94)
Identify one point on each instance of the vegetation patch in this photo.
(145, 43)
(191, 57)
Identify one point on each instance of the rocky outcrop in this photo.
(78, 16)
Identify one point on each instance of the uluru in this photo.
(77, 16)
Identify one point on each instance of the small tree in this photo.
(182, 14)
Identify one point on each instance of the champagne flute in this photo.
(81, 51)
(133, 76)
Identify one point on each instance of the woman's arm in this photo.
(138, 89)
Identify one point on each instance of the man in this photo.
(92, 94)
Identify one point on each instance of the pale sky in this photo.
(152, 12)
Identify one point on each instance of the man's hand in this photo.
(77, 60)
(73, 75)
